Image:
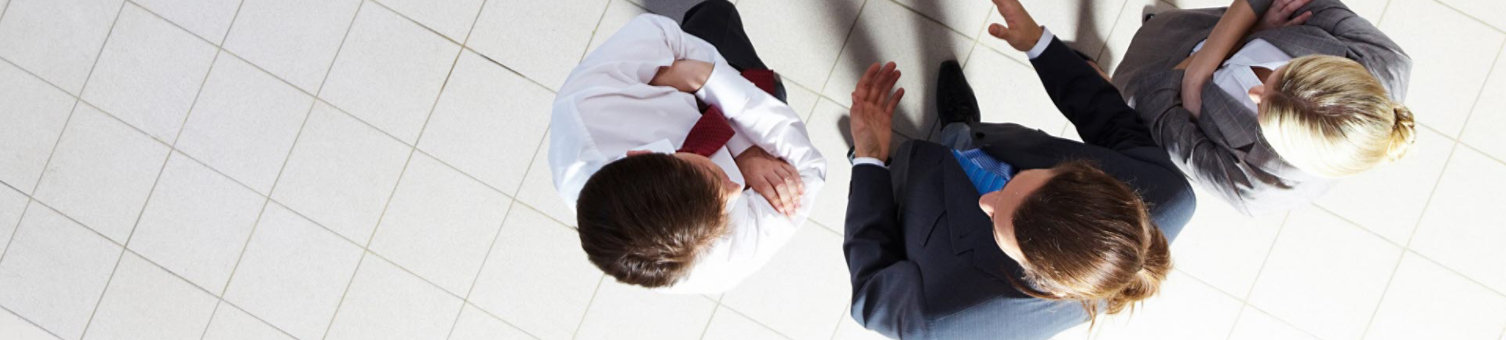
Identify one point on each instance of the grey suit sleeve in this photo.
(1366, 44)
(1188, 142)
(886, 286)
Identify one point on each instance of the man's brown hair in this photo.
(1087, 236)
(644, 219)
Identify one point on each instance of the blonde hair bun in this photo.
(1403, 133)
(1330, 117)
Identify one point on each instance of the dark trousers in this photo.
(717, 22)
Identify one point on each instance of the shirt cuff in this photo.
(1040, 45)
(721, 87)
(856, 161)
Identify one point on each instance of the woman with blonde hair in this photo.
(1267, 102)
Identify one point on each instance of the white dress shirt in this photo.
(1236, 78)
(606, 108)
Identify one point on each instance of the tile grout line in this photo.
(395, 186)
(1479, 97)
(343, 38)
(33, 323)
(707, 328)
(95, 66)
(852, 29)
(172, 146)
(756, 321)
(1267, 260)
(1470, 16)
(594, 292)
(209, 322)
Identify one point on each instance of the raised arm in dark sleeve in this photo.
(886, 287)
(1092, 104)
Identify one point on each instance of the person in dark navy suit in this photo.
(1000, 231)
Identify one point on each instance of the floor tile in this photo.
(1009, 92)
(196, 223)
(1183, 309)
(1324, 275)
(537, 277)
(149, 73)
(538, 189)
(144, 301)
(552, 52)
(293, 273)
(15, 328)
(800, 99)
(915, 44)
(295, 40)
(728, 324)
(1489, 116)
(55, 271)
(851, 330)
(803, 291)
(1446, 74)
(826, 127)
(618, 14)
(440, 224)
(803, 58)
(101, 173)
(1222, 246)
(1490, 12)
(386, 302)
(1378, 201)
(1456, 230)
(57, 39)
(476, 325)
(1428, 301)
(209, 19)
(1369, 9)
(488, 123)
(960, 16)
(35, 113)
(341, 173)
(244, 123)
(1257, 325)
(1083, 24)
(231, 323)
(389, 72)
(12, 204)
(630, 312)
(451, 18)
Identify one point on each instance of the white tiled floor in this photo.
(356, 169)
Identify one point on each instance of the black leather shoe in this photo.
(954, 98)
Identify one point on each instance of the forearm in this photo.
(1226, 35)
(872, 235)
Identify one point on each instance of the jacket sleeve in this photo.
(886, 286)
(1090, 102)
(1366, 44)
(1190, 147)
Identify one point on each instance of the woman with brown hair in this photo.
(1267, 102)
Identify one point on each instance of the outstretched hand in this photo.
(773, 178)
(873, 105)
(1019, 29)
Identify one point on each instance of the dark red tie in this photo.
(712, 131)
(709, 134)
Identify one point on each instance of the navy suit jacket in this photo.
(921, 254)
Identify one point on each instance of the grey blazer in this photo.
(1223, 150)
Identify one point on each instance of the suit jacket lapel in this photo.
(971, 229)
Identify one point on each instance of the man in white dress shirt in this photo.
(658, 187)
